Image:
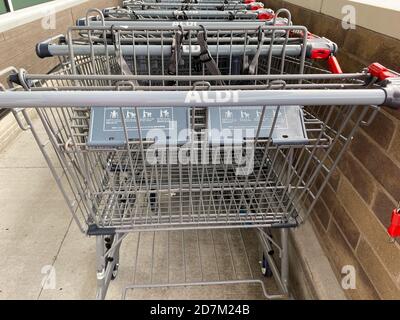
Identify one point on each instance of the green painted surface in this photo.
(20, 4)
(3, 8)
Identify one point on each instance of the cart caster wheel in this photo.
(153, 200)
(265, 268)
(115, 272)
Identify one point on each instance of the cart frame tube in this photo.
(29, 99)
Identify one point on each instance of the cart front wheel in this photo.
(115, 272)
(265, 268)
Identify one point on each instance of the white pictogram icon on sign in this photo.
(147, 114)
(245, 115)
(228, 114)
(130, 115)
(164, 114)
(114, 114)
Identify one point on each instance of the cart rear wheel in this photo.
(115, 272)
(265, 268)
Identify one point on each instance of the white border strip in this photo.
(17, 18)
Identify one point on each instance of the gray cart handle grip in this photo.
(388, 95)
(42, 48)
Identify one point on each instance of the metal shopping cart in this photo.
(129, 3)
(99, 107)
(147, 18)
(222, 38)
(187, 14)
(143, 5)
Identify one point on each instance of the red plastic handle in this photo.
(266, 15)
(381, 72)
(249, 1)
(334, 65)
(320, 53)
(256, 6)
(394, 229)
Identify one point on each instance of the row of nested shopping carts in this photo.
(212, 115)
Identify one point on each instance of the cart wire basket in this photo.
(130, 17)
(143, 5)
(263, 129)
(186, 14)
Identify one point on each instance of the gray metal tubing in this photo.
(205, 283)
(232, 4)
(191, 98)
(195, 25)
(210, 40)
(225, 36)
(266, 247)
(102, 281)
(128, 3)
(105, 264)
(285, 258)
(169, 23)
(156, 50)
(258, 77)
(195, 13)
(178, 5)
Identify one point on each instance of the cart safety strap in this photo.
(254, 63)
(120, 58)
(176, 53)
(205, 56)
(246, 58)
(132, 14)
(180, 15)
(125, 70)
(124, 66)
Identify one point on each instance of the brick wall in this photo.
(355, 208)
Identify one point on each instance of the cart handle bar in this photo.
(321, 49)
(389, 96)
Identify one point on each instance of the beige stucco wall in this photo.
(377, 15)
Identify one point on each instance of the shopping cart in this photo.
(185, 14)
(98, 109)
(124, 17)
(221, 40)
(129, 3)
(143, 5)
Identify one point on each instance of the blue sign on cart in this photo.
(235, 124)
(163, 125)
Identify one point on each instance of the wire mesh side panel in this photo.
(212, 15)
(117, 186)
